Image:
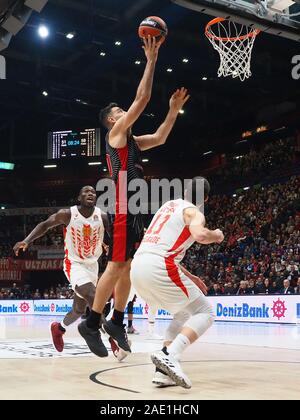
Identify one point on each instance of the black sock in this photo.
(129, 323)
(93, 321)
(118, 318)
(165, 351)
(62, 329)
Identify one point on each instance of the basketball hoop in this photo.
(234, 42)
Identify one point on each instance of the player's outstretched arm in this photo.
(62, 217)
(195, 221)
(177, 101)
(143, 95)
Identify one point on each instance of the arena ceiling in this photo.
(79, 80)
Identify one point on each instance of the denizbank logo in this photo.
(8, 309)
(63, 308)
(263, 311)
(52, 308)
(41, 308)
(243, 311)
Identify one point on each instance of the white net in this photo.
(234, 43)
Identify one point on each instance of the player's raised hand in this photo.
(178, 99)
(151, 48)
(219, 236)
(20, 245)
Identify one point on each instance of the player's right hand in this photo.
(219, 236)
(151, 48)
(20, 245)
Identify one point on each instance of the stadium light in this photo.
(43, 31)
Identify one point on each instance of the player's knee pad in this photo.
(130, 307)
(176, 325)
(200, 322)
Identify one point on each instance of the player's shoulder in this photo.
(193, 212)
(64, 216)
(64, 211)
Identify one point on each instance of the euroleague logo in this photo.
(52, 307)
(24, 307)
(279, 309)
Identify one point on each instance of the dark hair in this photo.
(86, 186)
(195, 190)
(104, 113)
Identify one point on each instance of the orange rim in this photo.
(251, 34)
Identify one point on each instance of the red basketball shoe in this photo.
(57, 336)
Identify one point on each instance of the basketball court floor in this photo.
(231, 361)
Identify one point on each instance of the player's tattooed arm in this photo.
(62, 217)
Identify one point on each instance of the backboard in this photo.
(276, 17)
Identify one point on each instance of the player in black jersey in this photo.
(124, 156)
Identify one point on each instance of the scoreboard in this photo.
(74, 143)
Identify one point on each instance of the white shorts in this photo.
(79, 274)
(161, 288)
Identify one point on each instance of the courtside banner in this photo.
(16, 307)
(283, 309)
(52, 307)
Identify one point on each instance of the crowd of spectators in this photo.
(268, 162)
(25, 292)
(261, 250)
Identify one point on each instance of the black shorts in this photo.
(127, 232)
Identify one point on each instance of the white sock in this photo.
(63, 325)
(151, 327)
(178, 346)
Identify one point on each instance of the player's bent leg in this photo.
(89, 329)
(59, 329)
(130, 328)
(92, 336)
(175, 327)
(201, 318)
(115, 328)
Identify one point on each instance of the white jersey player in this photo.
(159, 279)
(84, 228)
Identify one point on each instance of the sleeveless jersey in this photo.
(83, 237)
(126, 159)
(168, 236)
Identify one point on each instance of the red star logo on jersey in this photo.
(86, 231)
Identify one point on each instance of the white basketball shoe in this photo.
(171, 367)
(161, 380)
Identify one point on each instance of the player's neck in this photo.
(86, 211)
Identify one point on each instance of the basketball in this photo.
(155, 27)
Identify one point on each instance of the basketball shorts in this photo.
(162, 287)
(127, 232)
(79, 274)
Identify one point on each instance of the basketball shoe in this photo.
(57, 333)
(119, 353)
(161, 380)
(118, 333)
(93, 340)
(165, 362)
(132, 330)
